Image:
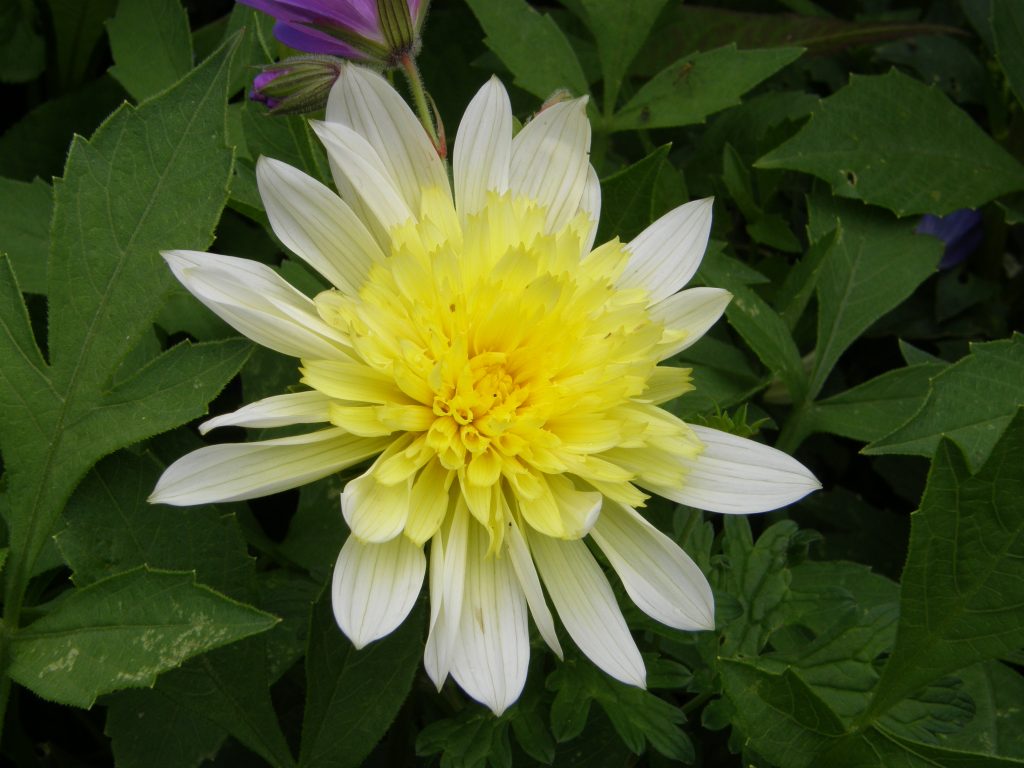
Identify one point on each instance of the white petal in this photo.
(578, 509)
(522, 562)
(658, 575)
(590, 204)
(483, 148)
(257, 302)
(667, 253)
(375, 512)
(316, 225)
(692, 311)
(739, 476)
(366, 103)
(587, 607)
(551, 160)
(237, 471)
(492, 651)
(375, 586)
(277, 411)
(446, 593)
(363, 180)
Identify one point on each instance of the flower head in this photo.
(503, 374)
(377, 31)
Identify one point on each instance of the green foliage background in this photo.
(878, 623)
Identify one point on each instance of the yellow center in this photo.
(505, 362)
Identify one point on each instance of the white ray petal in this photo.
(375, 512)
(590, 204)
(739, 476)
(446, 594)
(375, 586)
(237, 471)
(522, 562)
(277, 411)
(366, 103)
(483, 148)
(551, 160)
(667, 253)
(690, 313)
(658, 575)
(586, 605)
(492, 651)
(316, 225)
(363, 180)
(257, 302)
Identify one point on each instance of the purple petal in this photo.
(359, 16)
(960, 231)
(310, 40)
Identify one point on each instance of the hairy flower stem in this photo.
(419, 97)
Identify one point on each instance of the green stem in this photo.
(419, 96)
(696, 702)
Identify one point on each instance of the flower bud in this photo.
(296, 85)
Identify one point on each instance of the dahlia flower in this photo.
(502, 373)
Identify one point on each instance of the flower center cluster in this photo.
(497, 352)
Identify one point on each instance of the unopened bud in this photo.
(297, 85)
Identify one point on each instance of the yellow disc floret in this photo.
(509, 367)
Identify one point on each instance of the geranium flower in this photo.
(378, 31)
(503, 373)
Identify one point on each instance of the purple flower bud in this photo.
(960, 230)
(379, 31)
(296, 85)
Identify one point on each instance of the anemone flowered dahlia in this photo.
(502, 373)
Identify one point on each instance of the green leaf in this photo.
(1008, 33)
(120, 201)
(22, 49)
(111, 528)
(77, 29)
(970, 402)
(314, 537)
(960, 596)
(124, 631)
(531, 45)
(690, 27)
(876, 140)
(778, 714)
(229, 687)
(25, 211)
(789, 725)
(470, 739)
(878, 748)
(722, 374)
(352, 696)
(626, 197)
(151, 44)
(873, 265)
(756, 577)
(148, 730)
(638, 716)
(620, 29)
(284, 137)
(37, 145)
(760, 326)
(868, 411)
(699, 85)
(998, 724)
